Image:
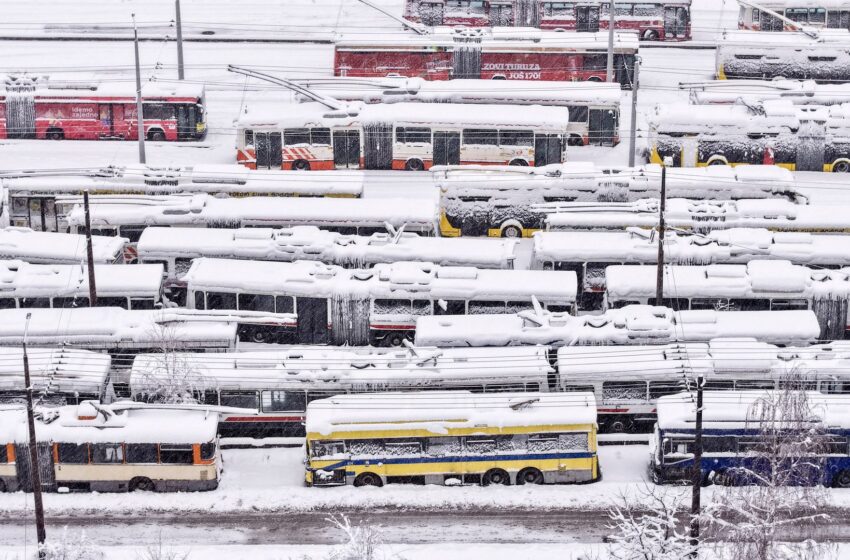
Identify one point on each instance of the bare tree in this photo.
(71, 547)
(173, 378)
(160, 551)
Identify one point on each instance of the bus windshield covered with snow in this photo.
(445, 437)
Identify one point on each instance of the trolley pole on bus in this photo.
(633, 131)
(609, 73)
(89, 252)
(696, 474)
(35, 475)
(140, 123)
(178, 22)
(662, 206)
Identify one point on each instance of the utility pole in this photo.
(35, 475)
(696, 473)
(659, 279)
(633, 132)
(89, 252)
(140, 122)
(177, 20)
(609, 75)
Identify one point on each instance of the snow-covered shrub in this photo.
(71, 547)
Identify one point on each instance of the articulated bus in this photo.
(491, 54)
(734, 432)
(795, 56)
(403, 136)
(831, 14)
(667, 20)
(777, 132)
(33, 108)
(510, 202)
(112, 448)
(438, 437)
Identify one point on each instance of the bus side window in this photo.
(179, 454)
(486, 307)
(719, 385)
(578, 114)
(320, 136)
(661, 388)
(107, 453)
(4, 454)
(443, 446)
(789, 304)
(142, 303)
(7, 303)
(199, 301)
(112, 302)
(142, 453)
(285, 304)
(256, 302)
(239, 399)
(73, 454)
(37, 303)
(133, 233)
(324, 448)
(516, 137)
(480, 137)
(746, 384)
(624, 390)
(249, 137)
(221, 300)
(70, 302)
(292, 136)
(276, 401)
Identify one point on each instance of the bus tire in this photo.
(55, 134)
(301, 165)
(594, 79)
(497, 477)
(261, 336)
(575, 140)
(2, 486)
(368, 479)
(529, 475)
(841, 167)
(414, 164)
(841, 480)
(717, 160)
(142, 484)
(512, 232)
(394, 340)
(519, 162)
(651, 35)
(618, 426)
(156, 135)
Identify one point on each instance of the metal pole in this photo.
(609, 75)
(633, 132)
(89, 252)
(659, 279)
(35, 475)
(140, 122)
(180, 73)
(696, 473)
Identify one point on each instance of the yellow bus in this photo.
(453, 437)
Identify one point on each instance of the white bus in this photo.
(752, 92)
(176, 247)
(280, 383)
(112, 448)
(42, 247)
(377, 306)
(403, 136)
(831, 14)
(58, 375)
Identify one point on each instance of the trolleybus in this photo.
(832, 14)
(42, 247)
(58, 375)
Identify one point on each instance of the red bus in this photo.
(498, 54)
(31, 108)
(666, 20)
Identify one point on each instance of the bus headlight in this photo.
(200, 127)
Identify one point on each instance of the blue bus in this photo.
(736, 446)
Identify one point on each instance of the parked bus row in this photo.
(830, 14)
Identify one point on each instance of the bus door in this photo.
(42, 214)
(346, 149)
(675, 22)
(377, 146)
(107, 121)
(502, 15)
(446, 148)
(186, 122)
(838, 19)
(45, 467)
(602, 127)
(811, 145)
(587, 18)
(312, 320)
(268, 146)
(548, 148)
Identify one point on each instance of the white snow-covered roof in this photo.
(440, 412)
(20, 279)
(779, 5)
(739, 410)
(84, 423)
(54, 370)
(222, 179)
(700, 216)
(416, 214)
(112, 326)
(633, 324)
(826, 38)
(799, 92)
(46, 89)
(400, 280)
(340, 369)
(456, 115)
(46, 247)
(737, 245)
(312, 243)
(756, 279)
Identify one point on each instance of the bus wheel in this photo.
(393, 340)
(142, 485)
(717, 161)
(519, 163)
(260, 335)
(55, 134)
(842, 480)
(368, 479)
(651, 35)
(2, 486)
(414, 165)
(301, 165)
(529, 476)
(722, 478)
(495, 477)
(618, 426)
(156, 136)
(841, 167)
(575, 140)
(512, 232)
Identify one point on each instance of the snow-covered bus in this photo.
(664, 20)
(402, 136)
(377, 306)
(175, 248)
(496, 53)
(594, 107)
(41, 199)
(42, 247)
(280, 383)
(435, 438)
(832, 14)
(58, 375)
(758, 285)
(754, 92)
(122, 447)
(796, 56)
(589, 253)
(508, 202)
